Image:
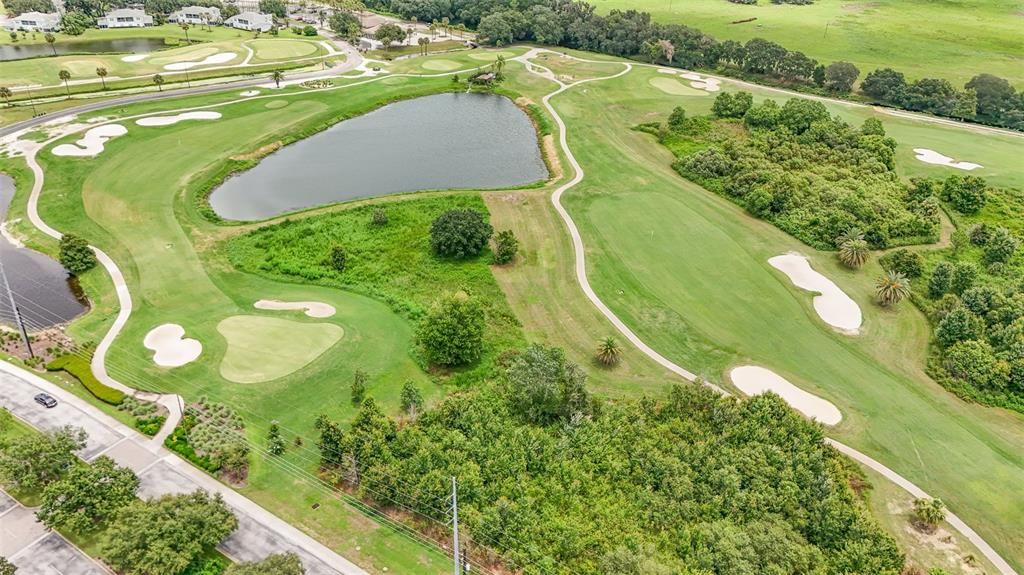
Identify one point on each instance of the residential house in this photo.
(125, 18)
(34, 21)
(252, 21)
(196, 15)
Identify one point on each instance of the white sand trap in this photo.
(169, 120)
(249, 93)
(218, 58)
(754, 380)
(312, 308)
(171, 347)
(134, 57)
(666, 71)
(832, 304)
(932, 157)
(709, 85)
(92, 143)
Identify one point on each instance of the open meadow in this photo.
(953, 40)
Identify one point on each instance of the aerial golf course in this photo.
(687, 270)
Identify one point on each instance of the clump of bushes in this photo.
(79, 368)
(148, 416)
(212, 435)
(809, 173)
(460, 233)
(75, 254)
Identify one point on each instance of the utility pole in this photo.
(14, 309)
(456, 557)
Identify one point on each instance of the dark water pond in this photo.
(44, 291)
(434, 142)
(113, 46)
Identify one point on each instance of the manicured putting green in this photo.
(184, 54)
(491, 56)
(266, 348)
(281, 49)
(441, 65)
(275, 104)
(675, 87)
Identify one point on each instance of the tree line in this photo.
(556, 481)
(575, 24)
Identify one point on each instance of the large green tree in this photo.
(165, 535)
(34, 461)
(88, 496)
(460, 233)
(452, 332)
(75, 254)
(545, 387)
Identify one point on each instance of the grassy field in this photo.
(688, 271)
(172, 32)
(685, 268)
(954, 40)
(44, 71)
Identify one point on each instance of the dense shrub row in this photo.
(808, 173)
(79, 368)
(212, 436)
(559, 483)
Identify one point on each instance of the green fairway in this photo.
(688, 271)
(266, 348)
(271, 50)
(675, 87)
(953, 40)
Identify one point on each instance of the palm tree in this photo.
(854, 253)
(102, 73)
(159, 81)
(892, 288)
(6, 94)
(499, 65)
(608, 351)
(50, 39)
(928, 513)
(848, 235)
(64, 75)
(277, 76)
(185, 27)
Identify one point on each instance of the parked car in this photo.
(46, 400)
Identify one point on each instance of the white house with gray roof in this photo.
(251, 21)
(33, 21)
(196, 15)
(125, 18)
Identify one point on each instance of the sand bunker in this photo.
(832, 304)
(703, 82)
(932, 157)
(312, 308)
(754, 380)
(171, 347)
(674, 87)
(92, 142)
(666, 71)
(218, 58)
(249, 93)
(134, 57)
(169, 120)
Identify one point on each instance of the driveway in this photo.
(260, 533)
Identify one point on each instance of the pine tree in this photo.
(275, 443)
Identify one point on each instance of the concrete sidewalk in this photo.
(260, 533)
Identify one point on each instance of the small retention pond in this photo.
(113, 46)
(471, 141)
(44, 291)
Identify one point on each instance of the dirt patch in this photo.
(258, 152)
(551, 155)
(940, 540)
(523, 101)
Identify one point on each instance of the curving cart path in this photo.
(581, 277)
(124, 297)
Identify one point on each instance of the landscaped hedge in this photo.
(80, 370)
